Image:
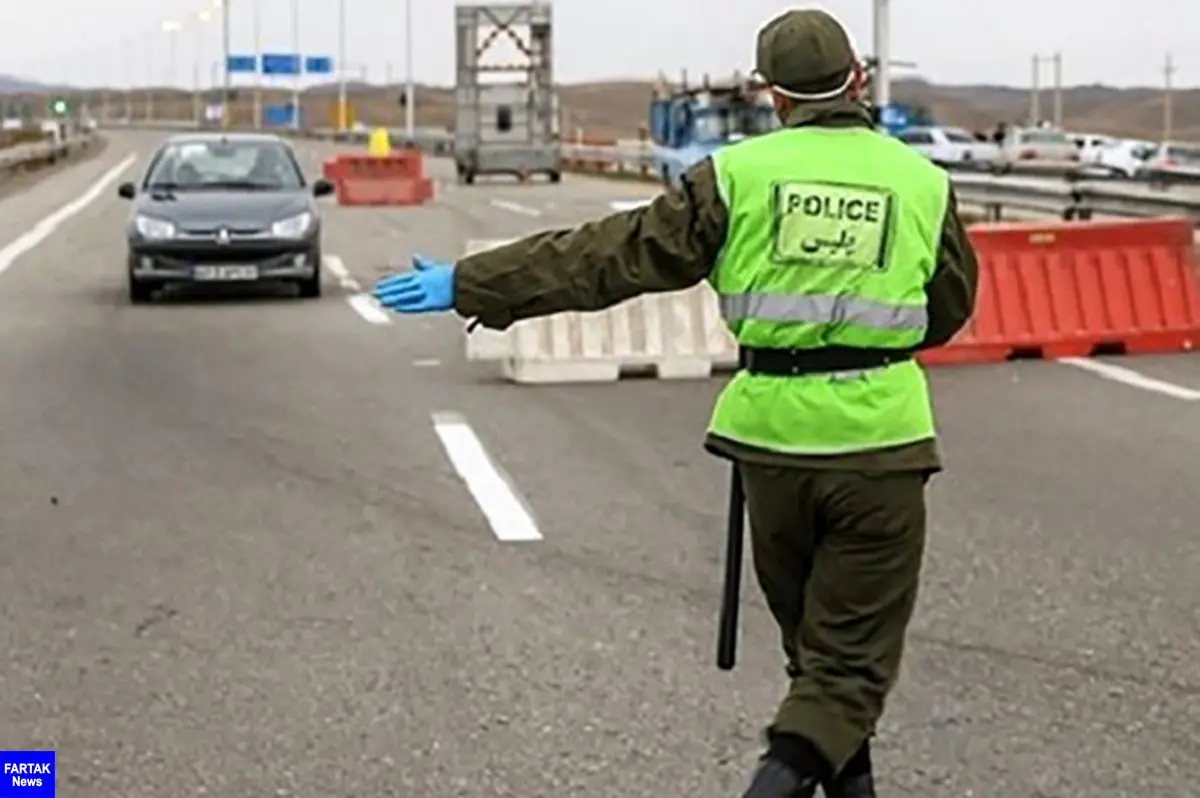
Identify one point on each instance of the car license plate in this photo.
(225, 273)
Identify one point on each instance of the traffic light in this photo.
(59, 107)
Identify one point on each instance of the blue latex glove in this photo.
(428, 288)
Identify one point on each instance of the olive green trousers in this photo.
(838, 555)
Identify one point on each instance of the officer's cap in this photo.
(804, 52)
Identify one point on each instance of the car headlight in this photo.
(292, 227)
(157, 229)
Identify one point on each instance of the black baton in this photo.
(735, 529)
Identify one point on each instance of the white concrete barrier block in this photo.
(679, 335)
(484, 344)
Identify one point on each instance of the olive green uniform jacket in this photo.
(672, 244)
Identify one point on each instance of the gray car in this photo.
(224, 208)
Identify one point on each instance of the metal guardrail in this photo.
(30, 156)
(1059, 190)
(1063, 190)
(1075, 198)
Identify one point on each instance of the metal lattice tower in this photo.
(506, 116)
(528, 28)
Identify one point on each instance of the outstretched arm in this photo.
(668, 245)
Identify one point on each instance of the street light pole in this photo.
(299, 66)
(103, 97)
(128, 47)
(1168, 121)
(172, 28)
(202, 20)
(227, 81)
(341, 68)
(1035, 91)
(1056, 61)
(409, 116)
(257, 10)
(883, 54)
(151, 77)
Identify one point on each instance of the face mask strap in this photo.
(825, 95)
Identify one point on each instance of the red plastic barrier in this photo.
(331, 168)
(378, 192)
(396, 179)
(1072, 289)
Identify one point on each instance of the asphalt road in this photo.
(238, 561)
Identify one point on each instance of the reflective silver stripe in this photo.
(792, 308)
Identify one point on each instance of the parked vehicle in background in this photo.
(1090, 145)
(1172, 162)
(951, 147)
(1124, 157)
(1025, 144)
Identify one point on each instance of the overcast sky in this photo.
(1106, 41)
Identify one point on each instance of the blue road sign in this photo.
(893, 116)
(281, 63)
(241, 63)
(318, 65)
(278, 115)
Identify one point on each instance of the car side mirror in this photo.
(322, 188)
(127, 191)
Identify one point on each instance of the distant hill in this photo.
(618, 108)
(1092, 109)
(10, 84)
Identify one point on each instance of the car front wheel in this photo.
(139, 293)
(310, 287)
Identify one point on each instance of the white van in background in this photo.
(1090, 146)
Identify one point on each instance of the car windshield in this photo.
(739, 119)
(226, 164)
(959, 137)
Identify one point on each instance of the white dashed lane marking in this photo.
(505, 509)
(362, 303)
(514, 207)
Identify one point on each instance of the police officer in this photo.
(837, 253)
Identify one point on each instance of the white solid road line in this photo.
(502, 505)
(43, 229)
(369, 309)
(629, 205)
(1133, 378)
(514, 207)
(363, 304)
(337, 267)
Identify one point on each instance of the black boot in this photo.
(862, 786)
(773, 779)
(855, 780)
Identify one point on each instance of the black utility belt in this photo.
(827, 359)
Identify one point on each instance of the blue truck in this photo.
(689, 124)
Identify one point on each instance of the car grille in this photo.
(192, 255)
(211, 231)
